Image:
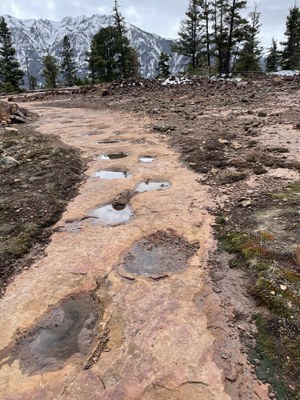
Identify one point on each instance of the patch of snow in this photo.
(286, 72)
(175, 80)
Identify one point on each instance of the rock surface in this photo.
(154, 339)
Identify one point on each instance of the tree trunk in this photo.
(230, 37)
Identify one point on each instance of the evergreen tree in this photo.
(32, 82)
(206, 17)
(68, 66)
(10, 72)
(291, 50)
(92, 61)
(249, 57)
(103, 62)
(163, 66)
(50, 71)
(229, 31)
(127, 58)
(111, 56)
(273, 58)
(191, 33)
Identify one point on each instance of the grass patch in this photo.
(278, 351)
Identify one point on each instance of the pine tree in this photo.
(273, 58)
(191, 33)
(32, 82)
(291, 50)
(128, 63)
(92, 61)
(68, 65)
(249, 56)
(50, 71)
(229, 31)
(103, 62)
(11, 75)
(111, 56)
(206, 17)
(163, 66)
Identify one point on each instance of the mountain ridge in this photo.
(34, 38)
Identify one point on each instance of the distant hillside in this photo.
(34, 38)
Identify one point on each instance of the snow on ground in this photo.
(175, 80)
(286, 73)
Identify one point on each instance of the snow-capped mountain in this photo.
(35, 38)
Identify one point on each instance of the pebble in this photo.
(7, 129)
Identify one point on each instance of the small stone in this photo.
(223, 141)
(236, 145)
(283, 287)
(246, 203)
(273, 293)
(11, 130)
(262, 114)
(8, 161)
(241, 328)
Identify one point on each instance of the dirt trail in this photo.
(137, 336)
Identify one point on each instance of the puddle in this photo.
(157, 256)
(112, 156)
(89, 134)
(112, 174)
(108, 141)
(64, 331)
(113, 215)
(147, 159)
(152, 184)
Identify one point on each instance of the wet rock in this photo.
(65, 330)
(157, 256)
(122, 199)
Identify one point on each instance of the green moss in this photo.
(278, 355)
(292, 192)
(261, 266)
(277, 301)
(267, 236)
(291, 276)
(295, 187)
(242, 243)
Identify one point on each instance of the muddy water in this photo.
(147, 159)
(158, 255)
(160, 346)
(109, 215)
(112, 174)
(112, 156)
(149, 184)
(62, 332)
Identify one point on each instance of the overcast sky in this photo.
(156, 16)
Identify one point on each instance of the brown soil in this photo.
(39, 176)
